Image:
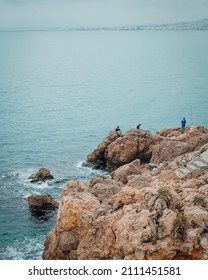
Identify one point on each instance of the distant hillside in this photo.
(201, 25)
(193, 25)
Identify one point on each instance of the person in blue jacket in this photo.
(183, 125)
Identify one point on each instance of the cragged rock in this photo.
(43, 174)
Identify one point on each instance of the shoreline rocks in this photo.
(43, 174)
(143, 210)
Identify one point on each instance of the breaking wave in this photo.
(26, 249)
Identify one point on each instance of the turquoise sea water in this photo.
(62, 92)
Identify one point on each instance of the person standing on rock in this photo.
(183, 125)
(118, 130)
(138, 126)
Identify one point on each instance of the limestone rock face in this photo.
(97, 157)
(135, 144)
(117, 150)
(167, 150)
(175, 144)
(76, 206)
(42, 175)
(122, 173)
(167, 219)
(104, 187)
(137, 212)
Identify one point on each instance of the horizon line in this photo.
(125, 27)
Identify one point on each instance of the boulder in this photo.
(135, 144)
(42, 202)
(118, 149)
(43, 174)
(139, 181)
(103, 188)
(168, 150)
(166, 223)
(121, 174)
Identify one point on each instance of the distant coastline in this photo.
(200, 25)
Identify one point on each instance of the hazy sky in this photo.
(26, 14)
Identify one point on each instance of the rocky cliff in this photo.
(145, 208)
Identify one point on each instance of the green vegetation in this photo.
(179, 226)
(194, 224)
(199, 200)
(203, 150)
(163, 192)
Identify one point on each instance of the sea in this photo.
(61, 92)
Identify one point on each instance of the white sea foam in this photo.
(89, 172)
(22, 187)
(23, 174)
(28, 248)
(40, 186)
(79, 164)
(12, 253)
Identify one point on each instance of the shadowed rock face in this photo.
(43, 174)
(137, 212)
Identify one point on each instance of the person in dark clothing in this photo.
(138, 126)
(183, 125)
(117, 128)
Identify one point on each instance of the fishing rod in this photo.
(191, 116)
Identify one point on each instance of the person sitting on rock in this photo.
(117, 129)
(183, 125)
(138, 126)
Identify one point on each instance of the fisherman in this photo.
(117, 128)
(138, 126)
(183, 125)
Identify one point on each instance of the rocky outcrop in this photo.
(43, 174)
(175, 144)
(119, 149)
(166, 220)
(97, 159)
(137, 212)
(42, 202)
(123, 172)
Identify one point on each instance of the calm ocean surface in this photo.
(62, 92)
